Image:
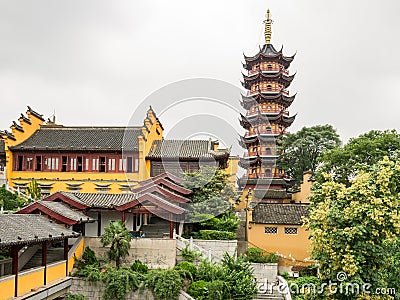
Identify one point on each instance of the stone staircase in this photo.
(268, 296)
(53, 255)
(157, 228)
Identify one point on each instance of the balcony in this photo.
(266, 111)
(268, 70)
(263, 132)
(267, 91)
(259, 153)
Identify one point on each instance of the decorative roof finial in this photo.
(268, 27)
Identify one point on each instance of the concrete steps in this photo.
(53, 255)
(156, 229)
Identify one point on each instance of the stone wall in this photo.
(263, 271)
(155, 253)
(94, 291)
(217, 247)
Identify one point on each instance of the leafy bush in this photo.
(286, 275)
(88, 258)
(75, 297)
(166, 284)
(308, 271)
(190, 255)
(187, 269)
(198, 289)
(216, 290)
(207, 234)
(226, 222)
(118, 282)
(88, 267)
(139, 267)
(231, 279)
(257, 255)
(89, 273)
(209, 271)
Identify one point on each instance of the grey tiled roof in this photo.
(26, 229)
(100, 200)
(184, 149)
(81, 138)
(278, 213)
(2, 147)
(271, 194)
(63, 210)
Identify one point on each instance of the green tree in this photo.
(119, 238)
(355, 228)
(212, 194)
(359, 154)
(33, 190)
(301, 150)
(8, 200)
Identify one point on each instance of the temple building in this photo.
(274, 216)
(99, 159)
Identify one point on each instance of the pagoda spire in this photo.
(268, 27)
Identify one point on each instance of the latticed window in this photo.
(271, 230)
(290, 230)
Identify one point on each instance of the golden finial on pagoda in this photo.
(268, 27)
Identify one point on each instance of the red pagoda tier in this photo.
(266, 120)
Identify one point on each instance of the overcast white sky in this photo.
(93, 62)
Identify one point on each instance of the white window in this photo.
(136, 165)
(290, 230)
(122, 164)
(73, 164)
(95, 164)
(87, 164)
(111, 164)
(271, 230)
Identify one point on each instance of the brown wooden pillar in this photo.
(99, 224)
(171, 226)
(14, 255)
(66, 255)
(44, 261)
(123, 217)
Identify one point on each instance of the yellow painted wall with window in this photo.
(291, 246)
(89, 182)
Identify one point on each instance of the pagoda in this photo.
(266, 102)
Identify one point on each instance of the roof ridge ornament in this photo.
(268, 27)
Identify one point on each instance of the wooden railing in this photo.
(266, 111)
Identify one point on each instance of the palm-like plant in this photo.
(119, 238)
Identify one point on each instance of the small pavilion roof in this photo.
(21, 229)
(57, 211)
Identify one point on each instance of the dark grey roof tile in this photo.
(279, 213)
(26, 229)
(82, 139)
